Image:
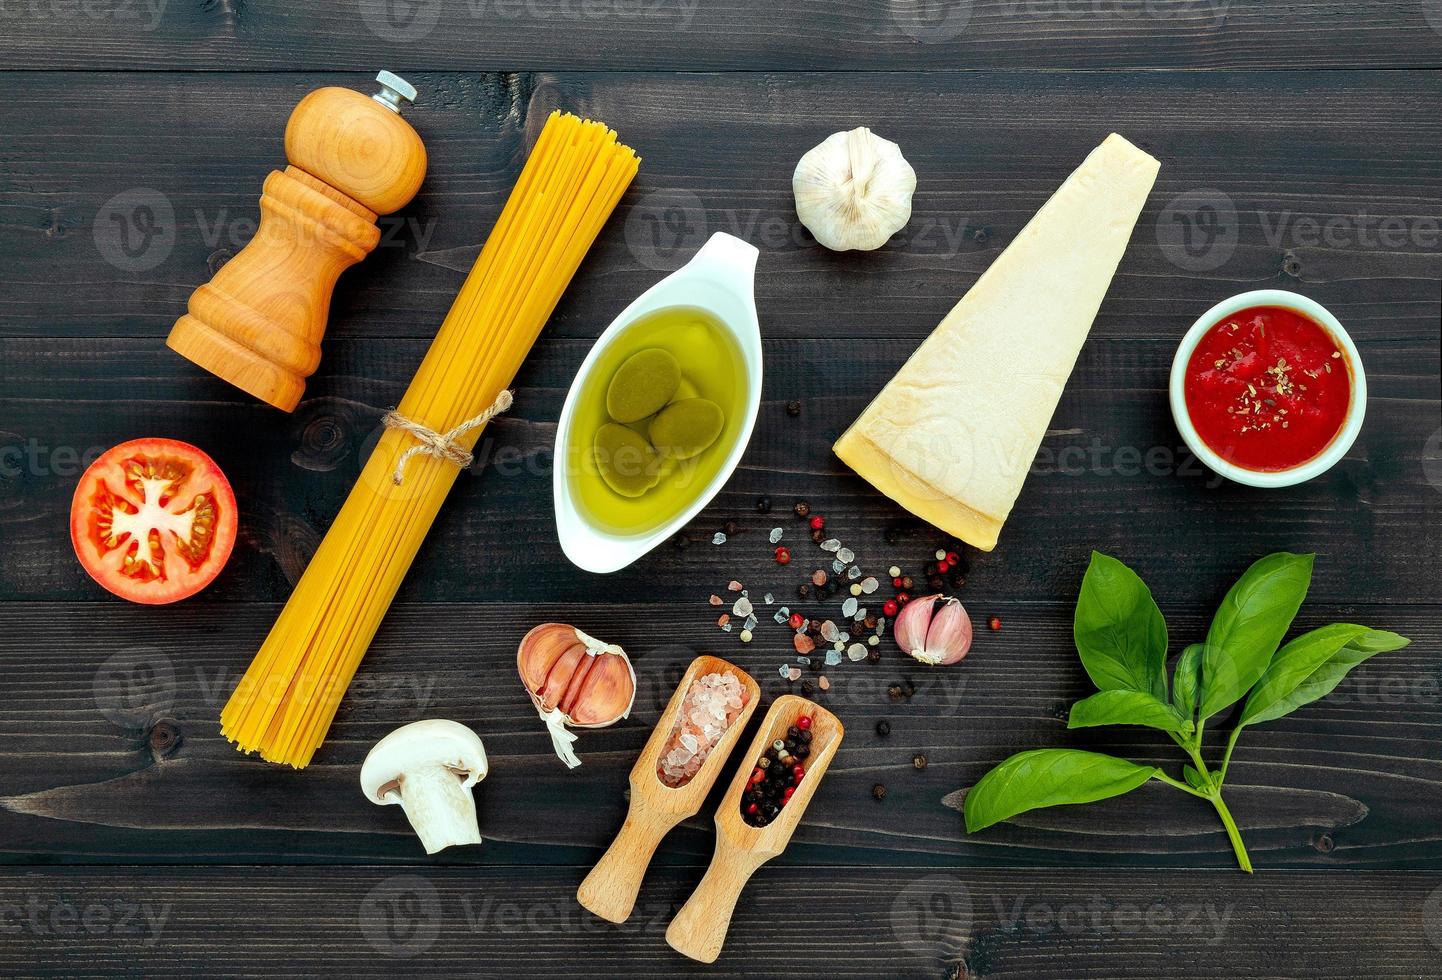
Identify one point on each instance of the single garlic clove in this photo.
(911, 624)
(933, 636)
(853, 190)
(575, 681)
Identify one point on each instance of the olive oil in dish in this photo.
(655, 485)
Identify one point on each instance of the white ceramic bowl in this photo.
(1318, 464)
(719, 280)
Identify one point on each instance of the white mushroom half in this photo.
(429, 767)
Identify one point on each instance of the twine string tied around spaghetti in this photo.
(441, 445)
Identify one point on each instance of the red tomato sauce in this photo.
(1268, 388)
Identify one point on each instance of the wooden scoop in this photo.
(700, 927)
(611, 888)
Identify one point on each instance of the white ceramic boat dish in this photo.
(1313, 467)
(720, 281)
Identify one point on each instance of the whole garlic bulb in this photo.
(853, 190)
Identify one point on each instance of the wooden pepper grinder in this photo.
(258, 323)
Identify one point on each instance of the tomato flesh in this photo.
(153, 520)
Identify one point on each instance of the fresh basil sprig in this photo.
(1121, 638)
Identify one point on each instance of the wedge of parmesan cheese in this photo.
(952, 436)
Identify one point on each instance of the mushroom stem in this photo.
(440, 807)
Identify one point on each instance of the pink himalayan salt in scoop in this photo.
(712, 704)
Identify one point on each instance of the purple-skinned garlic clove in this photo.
(934, 629)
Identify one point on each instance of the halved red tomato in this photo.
(153, 520)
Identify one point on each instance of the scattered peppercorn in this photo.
(804, 723)
(908, 583)
(894, 692)
(681, 541)
(803, 591)
(919, 761)
(995, 623)
(730, 528)
(936, 583)
(878, 792)
(797, 621)
(802, 508)
(807, 689)
(818, 536)
(883, 727)
(783, 555)
(793, 408)
(763, 504)
(874, 655)
(817, 522)
(776, 776)
(890, 607)
(902, 598)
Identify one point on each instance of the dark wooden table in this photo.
(135, 841)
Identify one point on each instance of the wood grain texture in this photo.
(121, 190)
(510, 35)
(860, 922)
(1292, 154)
(1113, 464)
(110, 726)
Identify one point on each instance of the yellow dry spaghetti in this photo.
(574, 177)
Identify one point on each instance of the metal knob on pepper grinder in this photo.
(258, 323)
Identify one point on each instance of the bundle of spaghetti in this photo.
(284, 705)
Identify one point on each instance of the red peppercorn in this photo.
(752, 809)
(890, 607)
(783, 555)
(786, 796)
(902, 598)
(818, 522)
(952, 558)
(798, 772)
(804, 722)
(995, 623)
(896, 582)
(942, 567)
(797, 621)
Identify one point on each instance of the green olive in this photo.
(627, 462)
(687, 427)
(642, 385)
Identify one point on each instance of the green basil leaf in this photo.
(1249, 626)
(1049, 777)
(1119, 631)
(1127, 708)
(1311, 666)
(1186, 679)
(1194, 779)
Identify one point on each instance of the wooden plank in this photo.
(1114, 465)
(466, 35)
(1317, 191)
(1351, 781)
(859, 922)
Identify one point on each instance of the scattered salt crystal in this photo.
(843, 637)
(881, 626)
(873, 640)
(734, 585)
(793, 673)
(776, 534)
(742, 607)
(718, 538)
(726, 627)
(818, 577)
(804, 661)
(780, 616)
(838, 566)
(854, 572)
(824, 683)
(848, 608)
(838, 646)
(832, 658)
(724, 619)
(830, 544)
(856, 652)
(785, 672)
(746, 636)
(803, 643)
(715, 600)
(846, 555)
(768, 598)
(869, 585)
(829, 632)
(750, 623)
